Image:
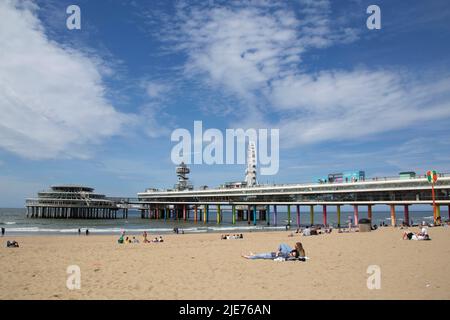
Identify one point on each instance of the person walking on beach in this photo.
(87, 232)
(144, 236)
(3, 231)
(79, 231)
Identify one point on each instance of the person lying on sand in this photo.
(415, 236)
(284, 251)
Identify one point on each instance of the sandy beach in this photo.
(202, 266)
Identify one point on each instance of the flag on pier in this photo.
(432, 176)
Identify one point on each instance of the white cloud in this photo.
(52, 99)
(349, 104)
(257, 53)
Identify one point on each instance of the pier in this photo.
(252, 205)
(260, 202)
(73, 202)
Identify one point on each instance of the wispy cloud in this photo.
(156, 90)
(256, 51)
(52, 98)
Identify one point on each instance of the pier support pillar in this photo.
(249, 214)
(289, 215)
(218, 214)
(369, 213)
(355, 214)
(311, 214)
(233, 214)
(393, 220)
(298, 216)
(275, 213)
(438, 213)
(184, 212)
(254, 215)
(338, 211)
(324, 211)
(268, 215)
(406, 215)
(195, 214)
(206, 215)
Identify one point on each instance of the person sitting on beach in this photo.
(301, 251)
(241, 236)
(160, 239)
(306, 232)
(127, 240)
(284, 252)
(423, 231)
(135, 240)
(12, 244)
(120, 240)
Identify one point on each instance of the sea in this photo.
(14, 221)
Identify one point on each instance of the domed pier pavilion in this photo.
(72, 202)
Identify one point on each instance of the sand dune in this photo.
(201, 266)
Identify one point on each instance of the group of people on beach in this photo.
(284, 253)
(234, 236)
(311, 231)
(178, 231)
(12, 244)
(125, 239)
(86, 232)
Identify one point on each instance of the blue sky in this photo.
(97, 106)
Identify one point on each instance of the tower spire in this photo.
(250, 173)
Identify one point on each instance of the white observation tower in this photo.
(250, 173)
